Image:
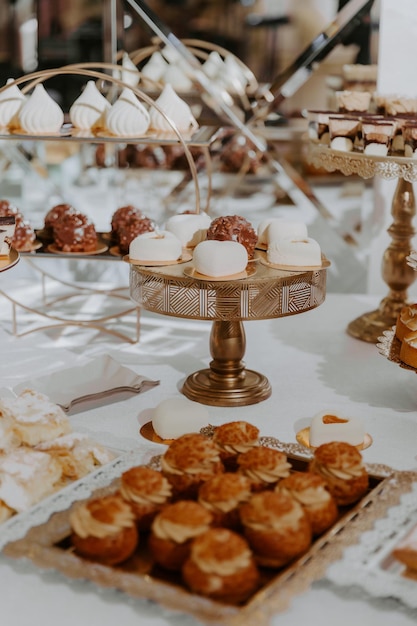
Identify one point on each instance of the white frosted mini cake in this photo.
(277, 228)
(177, 416)
(329, 426)
(295, 252)
(156, 246)
(190, 228)
(220, 258)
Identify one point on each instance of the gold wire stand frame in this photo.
(268, 293)
(31, 80)
(396, 272)
(78, 291)
(28, 82)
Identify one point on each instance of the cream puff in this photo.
(276, 527)
(312, 492)
(263, 466)
(146, 491)
(341, 465)
(104, 530)
(222, 495)
(233, 438)
(221, 566)
(188, 462)
(173, 530)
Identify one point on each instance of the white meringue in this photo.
(130, 73)
(176, 110)
(127, 117)
(213, 65)
(11, 101)
(177, 77)
(86, 111)
(40, 113)
(155, 68)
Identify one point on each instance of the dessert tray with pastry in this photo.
(226, 524)
(45, 465)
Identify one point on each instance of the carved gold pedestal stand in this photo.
(396, 272)
(262, 293)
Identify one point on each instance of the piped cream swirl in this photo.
(127, 117)
(87, 109)
(176, 111)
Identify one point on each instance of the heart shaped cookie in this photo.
(329, 426)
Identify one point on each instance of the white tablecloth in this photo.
(312, 364)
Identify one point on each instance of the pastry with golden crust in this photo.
(35, 418)
(408, 349)
(221, 566)
(233, 438)
(276, 527)
(406, 321)
(173, 531)
(104, 530)
(311, 491)
(263, 466)
(189, 461)
(222, 495)
(341, 465)
(77, 454)
(147, 491)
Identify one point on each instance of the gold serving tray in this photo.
(48, 547)
(7, 262)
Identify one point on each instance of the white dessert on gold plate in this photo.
(304, 252)
(177, 416)
(11, 101)
(127, 117)
(40, 114)
(220, 258)
(27, 476)
(155, 246)
(190, 228)
(273, 229)
(86, 111)
(329, 426)
(176, 111)
(35, 417)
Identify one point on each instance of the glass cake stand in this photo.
(262, 292)
(396, 272)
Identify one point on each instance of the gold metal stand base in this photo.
(369, 326)
(206, 388)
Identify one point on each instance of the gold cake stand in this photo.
(396, 272)
(262, 293)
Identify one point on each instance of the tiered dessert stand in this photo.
(396, 272)
(263, 293)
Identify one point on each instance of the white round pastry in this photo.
(190, 228)
(220, 258)
(86, 111)
(155, 246)
(296, 252)
(127, 117)
(276, 228)
(176, 110)
(11, 101)
(40, 113)
(177, 416)
(329, 426)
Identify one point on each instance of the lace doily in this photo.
(368, 564)
(17, 526)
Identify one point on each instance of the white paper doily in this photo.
(369, 564)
